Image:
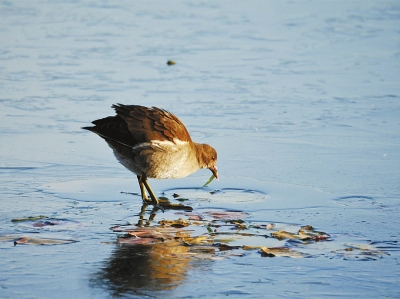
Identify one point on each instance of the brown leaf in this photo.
(280, 251)
(224, 247)
(227, 215)
(308, 230)
(175, 223)
(195, 217)
(280, 235)
(246, 247)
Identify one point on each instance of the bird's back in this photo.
(148, 141)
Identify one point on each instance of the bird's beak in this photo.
(214, 170)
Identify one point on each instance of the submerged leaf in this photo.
(4, 238)
(137, 241)
(309, 231)
(246, 247)
(207, 251)
(43, 223)
(30, 218)
(360, 252)
(280, 251)
(175, 223)
(155, 234)
(228, 215)
(238, 224)
(195, 217)
(182, 199)
(280, 235)
(41, 241)
(224, 247)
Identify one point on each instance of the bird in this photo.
(153, 143)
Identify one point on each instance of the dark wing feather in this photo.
(113, 128)
(146, 124)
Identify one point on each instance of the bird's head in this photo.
(207, 157)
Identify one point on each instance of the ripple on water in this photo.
(238, 192)
(223, 195)
(356, 201)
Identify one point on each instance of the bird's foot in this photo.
(156, 205)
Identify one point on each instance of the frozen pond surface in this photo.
(300, 98)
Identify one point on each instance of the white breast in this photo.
(167, 159)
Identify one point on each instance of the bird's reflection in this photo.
(142, 269)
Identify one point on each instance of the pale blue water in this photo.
(301, 100)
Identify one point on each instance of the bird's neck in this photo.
(199, 149)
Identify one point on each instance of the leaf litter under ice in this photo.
(210, 232)
(40, 222)
(218, 233)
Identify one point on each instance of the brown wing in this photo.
(146, 124)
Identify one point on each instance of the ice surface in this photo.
(300, 98)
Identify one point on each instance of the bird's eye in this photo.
(213, 157)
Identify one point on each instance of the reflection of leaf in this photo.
(209, 181)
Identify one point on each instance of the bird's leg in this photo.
(151, 193)
(142, 190)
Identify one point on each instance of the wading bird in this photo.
(153, 143)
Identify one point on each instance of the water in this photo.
(301, 100)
